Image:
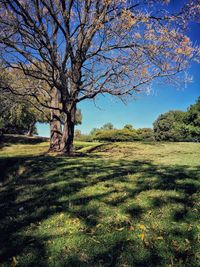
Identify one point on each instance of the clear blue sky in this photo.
(142, 111)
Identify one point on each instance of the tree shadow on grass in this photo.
(34, 189)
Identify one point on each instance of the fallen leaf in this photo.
(120, 229)
(142, 236)
(142, 227)
(187, 241)
(14, 262)
(147, 244)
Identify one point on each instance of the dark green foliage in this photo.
(192, 119)
(193, 114)
(170, 126)
(178, 125)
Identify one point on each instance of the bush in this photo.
(123, 135)
(146, 134)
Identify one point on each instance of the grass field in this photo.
(119, 204)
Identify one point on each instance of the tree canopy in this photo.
(169, 126)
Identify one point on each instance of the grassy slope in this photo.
(127, 204)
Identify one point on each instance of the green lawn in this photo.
(120, 204)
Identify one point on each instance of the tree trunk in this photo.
(55, 124)
(68, 133)
(31, 129)
(55, 133)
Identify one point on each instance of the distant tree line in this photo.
(174, 126)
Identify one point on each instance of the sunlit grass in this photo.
(126, 204)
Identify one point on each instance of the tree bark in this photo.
(55, 124)
(68, 133)
(61, 138)
(55, 133)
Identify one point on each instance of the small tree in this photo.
(84, 48)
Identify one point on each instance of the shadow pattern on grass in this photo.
(91, 193)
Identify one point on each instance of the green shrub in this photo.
(122, 135)
(146, 134)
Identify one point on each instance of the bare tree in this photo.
(82, 48)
